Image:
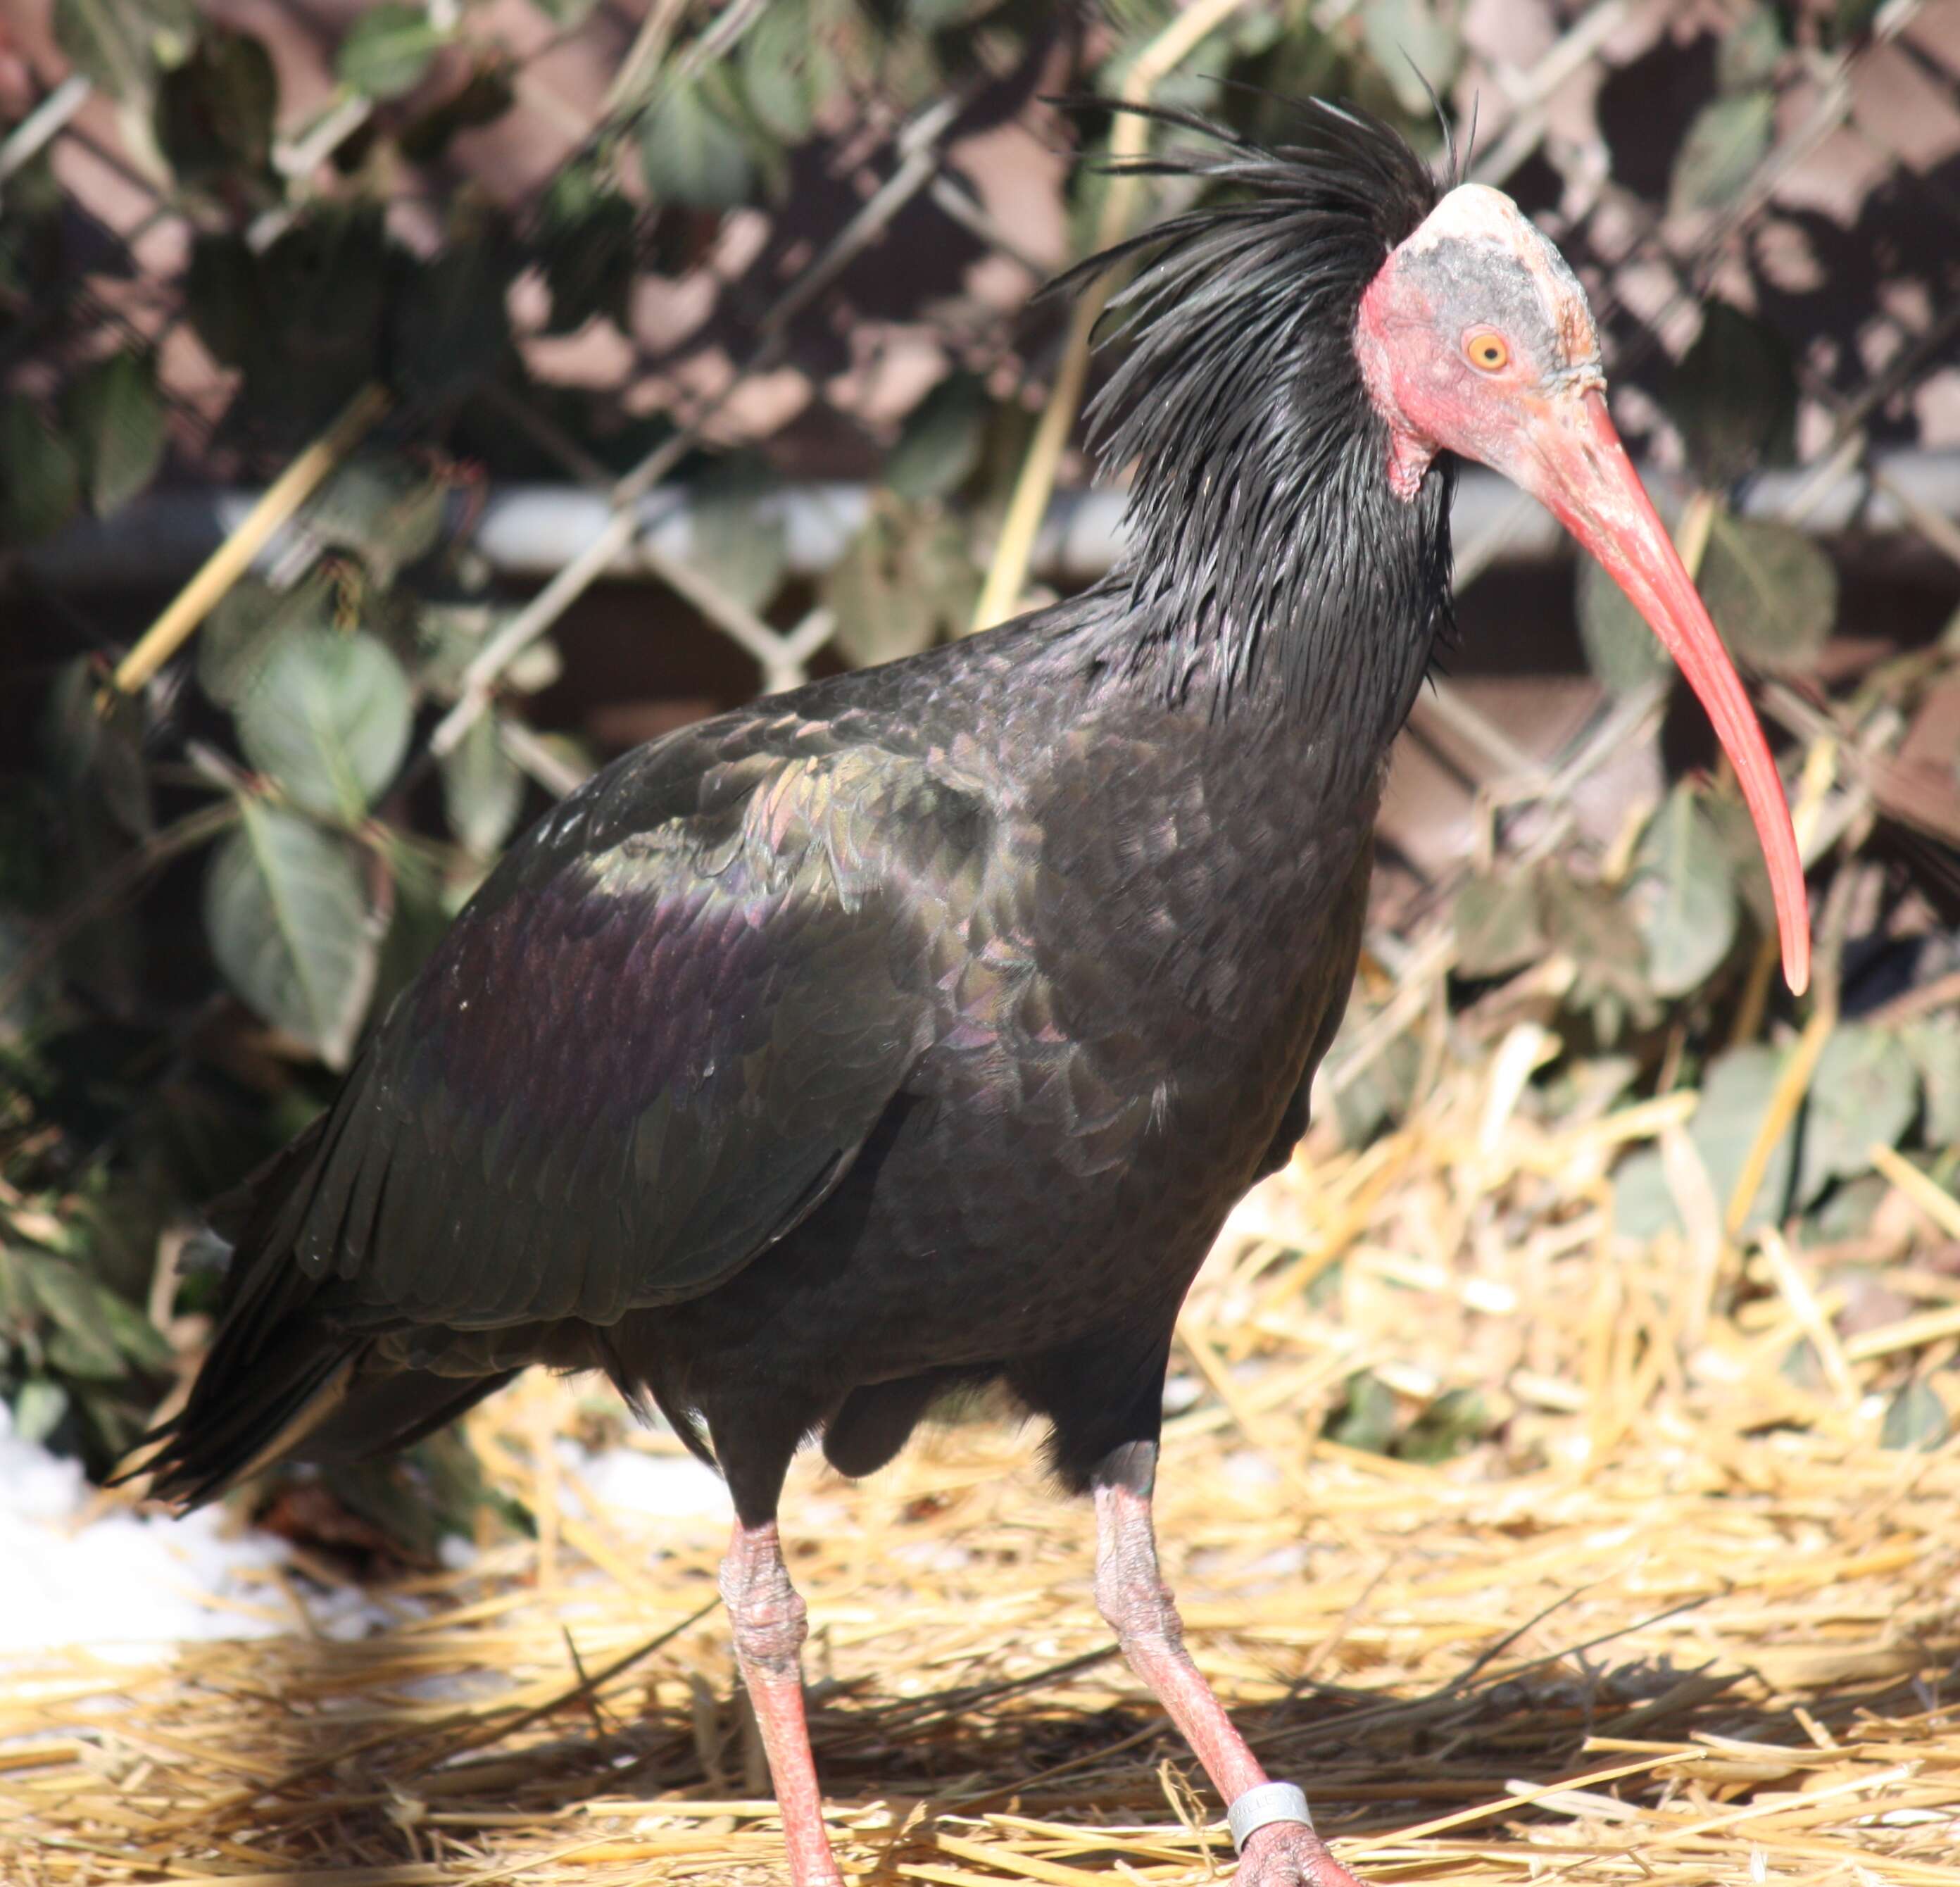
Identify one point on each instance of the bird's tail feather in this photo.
(276, 1370)
(237, 1423)
(381, 1414)
(290, 1375)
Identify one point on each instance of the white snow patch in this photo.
(457, 1554)
(132, 1585)
(932, 1556)
(1244, 1468)
(667, 1486)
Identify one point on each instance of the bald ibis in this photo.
(918, 1028)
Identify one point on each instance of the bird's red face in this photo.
(1475, 336)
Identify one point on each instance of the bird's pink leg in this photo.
(1133, 1597)
(767, 1616)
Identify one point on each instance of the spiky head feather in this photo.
(1265, 545)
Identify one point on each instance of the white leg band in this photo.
(1269, 1802)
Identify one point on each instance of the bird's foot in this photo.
(1290, 1854)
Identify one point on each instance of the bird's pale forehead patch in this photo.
(1484, 223)
(1471, 212)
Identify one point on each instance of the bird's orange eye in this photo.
(1487, 351)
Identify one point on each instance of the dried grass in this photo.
(1685, 1620)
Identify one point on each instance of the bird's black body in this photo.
(921, 1026)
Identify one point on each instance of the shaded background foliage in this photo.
(753, 245)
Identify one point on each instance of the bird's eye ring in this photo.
(1487, 351)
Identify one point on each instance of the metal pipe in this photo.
(532, 531)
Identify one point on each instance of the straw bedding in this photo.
(1675, 1612)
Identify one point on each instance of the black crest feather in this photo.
(1261, 521)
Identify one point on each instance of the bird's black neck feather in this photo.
(1270, 570)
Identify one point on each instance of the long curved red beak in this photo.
(1579, 470)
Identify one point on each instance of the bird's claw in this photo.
(1289, 1854)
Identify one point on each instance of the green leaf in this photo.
(1497, 927)
(304, 320)
(251, 622)
(1642, 1202)
(1367, 1415)
(896, 60)
(1411, 41)
(449, 636)
(71, 730)
(1803, 1368)
(1382, 1091)
(1749, 51)
(221, 296)
(739, 541)
(585, 237)
(1733, 397)
(23, 1011)
(31, 239)
(388, 48)
(67, 1298)
(1866, 1089)
(329, 271)
(117, 44)
(103, 1334)
(786, 71)
(290, 929)
(1366, 1418)
(116, 418)
(1736, 1091)
(99, 745)
(878, 619)
(1933, 1042)
(534, 668)
(329, 718)
(107, 957)
(452, 328)
(413, 1498)
(939, 445)
(216, 110)
(1194, 83)
(1589, 923)
(692, 149)
(1848, 1213)
(1772, 592)
(1850, 20)
(1748, 873)
(41, 481)
(940, 16)
(483, 790)
(1915, 1419)
(419, 921)
(39, 1409)
(385, 507)
(1687, 912)
(1622, 652)
(1456, 1420)
(904, 582)
(1729, 136)
(483, 98)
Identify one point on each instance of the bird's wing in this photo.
(655, 1040)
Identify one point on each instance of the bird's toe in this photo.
(1286, 1854)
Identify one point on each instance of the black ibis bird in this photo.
(919, 1027)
